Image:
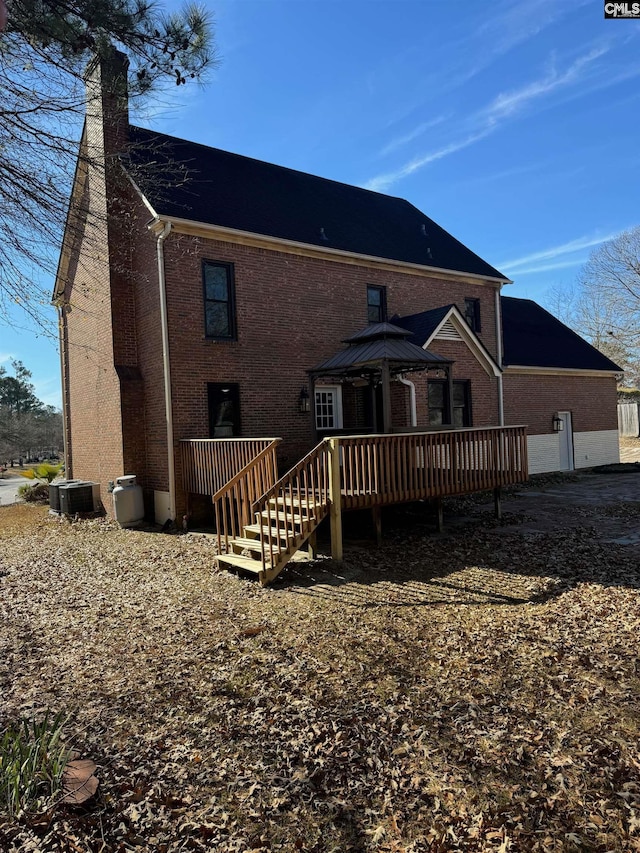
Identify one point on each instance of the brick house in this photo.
(564, 389)
(203, 294)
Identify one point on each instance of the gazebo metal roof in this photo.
(374, 346)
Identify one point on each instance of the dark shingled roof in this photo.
(233, 191)
(424, 324)
(534, 338)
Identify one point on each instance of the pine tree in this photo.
(44, 51)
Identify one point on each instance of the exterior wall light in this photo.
(304, 404)
(558, 423)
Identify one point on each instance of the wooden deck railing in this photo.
(232, 503)
(294, 506)
(341, 473)
(386, 469)
(210, 463)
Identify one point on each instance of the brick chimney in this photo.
(107, 104)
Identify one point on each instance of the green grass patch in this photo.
(33, 757)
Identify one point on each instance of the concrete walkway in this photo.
(608, 502)
(630, 449)
(9, 489)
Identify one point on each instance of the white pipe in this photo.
(171, 464)
(412, 398)
(499, 356)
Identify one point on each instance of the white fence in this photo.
(628, 420)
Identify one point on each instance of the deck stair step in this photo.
(299, 504)
(291, 541)
(244, 563)
(241, 543)
(284, 517)
(257, 530)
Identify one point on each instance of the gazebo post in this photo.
(374, 407)
(450, 391)
(386, 397)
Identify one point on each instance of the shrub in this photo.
(36, 493)
(32, 760)
(628, 395)
(46, 472)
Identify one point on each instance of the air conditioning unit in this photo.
(80, 496)
(54, 493)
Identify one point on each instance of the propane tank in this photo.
(128, 504)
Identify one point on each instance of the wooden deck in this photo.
(271, 518)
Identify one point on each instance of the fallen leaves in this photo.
(473, 692)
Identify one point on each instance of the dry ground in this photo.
(477, 690)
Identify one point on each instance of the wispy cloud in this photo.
(577, 245)
(399, 141)
(509, 103)
(5, 357)
(555, 258)
(538, 268)
(382, 182)
(504, 107)
(457, 61)
(517, 23)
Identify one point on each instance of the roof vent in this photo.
(323, 236)
(429, 255)
(423, 230)
(448, 332)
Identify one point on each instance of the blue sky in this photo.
(514, 125)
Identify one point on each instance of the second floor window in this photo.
(376, 303)
(219, 307)
(472, 313)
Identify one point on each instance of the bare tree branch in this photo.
(604, 306)
(43, 54)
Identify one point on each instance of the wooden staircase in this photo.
(283, 518)
(261, 522)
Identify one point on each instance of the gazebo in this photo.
(379, 353)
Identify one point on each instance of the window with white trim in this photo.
(328, 407)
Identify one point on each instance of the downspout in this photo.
(66, 425)
(499, 356)
(164, 325)
(412, 399)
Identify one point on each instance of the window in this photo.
(376, 303)
(472, 313)
(224, 409)
(328, 407)
(219, 308)
(439, 403)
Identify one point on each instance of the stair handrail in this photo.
(315, 487)
(294, 470)
(242, 488)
